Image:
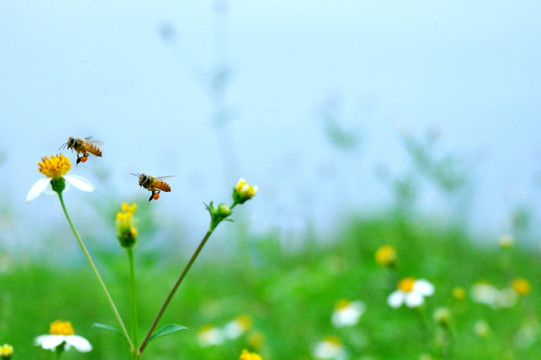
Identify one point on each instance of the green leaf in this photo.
(110, 328)
(167, 330)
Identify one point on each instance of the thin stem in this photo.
(96, 272)
(423, 322)
(133, 296)
(173, 290)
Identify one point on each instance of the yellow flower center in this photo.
(342, 304)
(60, 327)
(6, 350)
(386, 255)
(244, 321)
(459, 293)
(54, 166)
(521, 286)
(333, 340)
(207, 328)
(406, 285)
(255, 339)
(246, 355)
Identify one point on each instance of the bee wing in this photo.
(164, 177)
(95, 142)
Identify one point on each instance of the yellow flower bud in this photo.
(243, 191)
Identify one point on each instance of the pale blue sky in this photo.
(471, 69)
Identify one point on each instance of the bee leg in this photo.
(151, 196)
(78, 160)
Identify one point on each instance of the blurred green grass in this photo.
(290, 292)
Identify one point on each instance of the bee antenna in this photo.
(63, 146)
(135, 174)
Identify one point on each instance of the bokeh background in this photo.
(332, 109)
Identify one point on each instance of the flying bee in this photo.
(153, 184)
(84, 147)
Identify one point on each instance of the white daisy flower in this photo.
(210, 335)
(347, 313)
(329, 348)
(55, 168)
(61, 332)
(488, 294)
(410, 292)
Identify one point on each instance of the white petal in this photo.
(40, 339)
(38, 187)
(78, 342)
(506, 298)
(484, 293)
(423, 287)
(233, 330)
(349, 315)
(396, 299)
(79, 182)
(49, 342)
(414, 299)
(328, 350)
(49, 190)
(211, 336)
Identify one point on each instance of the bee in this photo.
(153, 184)
(83, 146)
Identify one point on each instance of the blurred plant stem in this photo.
(218, 86)
(133, 298)
(424, 324)
(96, 272)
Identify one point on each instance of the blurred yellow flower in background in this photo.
(521, 286)
(246, 355)
(386, 256)
(459, 293)
(6, 351)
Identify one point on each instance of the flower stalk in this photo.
(96, 272)
(242, 192)
(173, 290)
(133, 296)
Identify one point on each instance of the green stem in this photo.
(96, 272)
(59, 349)
(133, 296)
(423, 322)
(173, 290)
